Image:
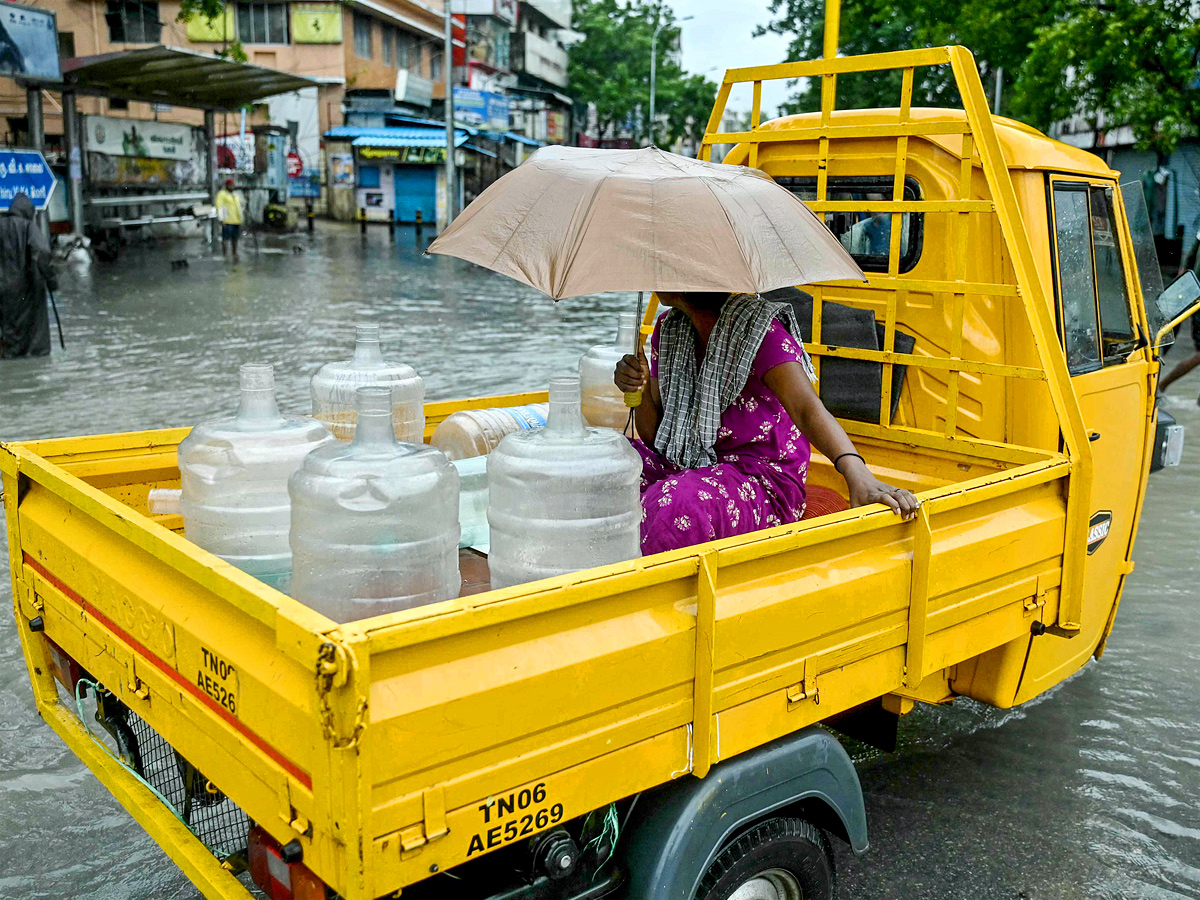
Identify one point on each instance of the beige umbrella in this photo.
(573, 221)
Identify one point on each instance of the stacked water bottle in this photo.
(354, 516)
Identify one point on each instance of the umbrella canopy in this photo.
(573, 221)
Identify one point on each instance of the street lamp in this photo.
(654, 67)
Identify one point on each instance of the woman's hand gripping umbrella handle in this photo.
(633, 399)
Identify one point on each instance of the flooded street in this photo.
(1088, 792)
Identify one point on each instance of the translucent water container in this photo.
(477, 432)
(473, 502)
(374, 522)
(234, 480)
(603, 402)
(334, 385)
(562, 498)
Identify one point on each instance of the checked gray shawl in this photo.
(693, 397)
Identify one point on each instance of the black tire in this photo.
(779, 859)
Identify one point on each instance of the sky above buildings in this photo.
(720, 36)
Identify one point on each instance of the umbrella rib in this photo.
(513, 233)
(578, 243)
(724, 212)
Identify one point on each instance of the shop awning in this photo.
(395, 137)
(177, 77)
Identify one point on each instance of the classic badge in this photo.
(1098, 527)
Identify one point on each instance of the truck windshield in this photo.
(1145, 254)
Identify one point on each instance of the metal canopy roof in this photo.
(178, 77)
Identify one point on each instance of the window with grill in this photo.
(262, 23)
(362, 36)
(867, 236)
(133, 22)
(407, 51)
(388, 33)
(435, 65)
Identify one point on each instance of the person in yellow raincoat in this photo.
(229, 212)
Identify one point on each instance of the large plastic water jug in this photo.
(334, 385)
(562, 498)
(477, 432)
(603, 403)
(234, 479)
(473, 502)
(375, 521)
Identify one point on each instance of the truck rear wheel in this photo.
(779, 859)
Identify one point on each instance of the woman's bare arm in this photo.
(791, 385)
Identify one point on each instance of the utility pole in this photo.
(448, 71)
(37, 139)
(999, 88)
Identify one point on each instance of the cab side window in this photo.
(1117, 337)
(1097, 329)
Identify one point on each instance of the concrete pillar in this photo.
(210, 139)
(37, 139)
(73, 143)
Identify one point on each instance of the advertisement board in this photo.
(203, 30)
(413, 88)
(28, 43)
(136, 137)
(481, 109)
(414, 156)
(306, 185)
(316, 23)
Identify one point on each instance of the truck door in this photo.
(1108, 360)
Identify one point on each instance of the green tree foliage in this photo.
(611, 68)
(1132, 61)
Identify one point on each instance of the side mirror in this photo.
(1180, 300)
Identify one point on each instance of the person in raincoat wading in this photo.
(25, 275)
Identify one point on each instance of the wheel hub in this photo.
(771, 884)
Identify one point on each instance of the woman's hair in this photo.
(706, 300)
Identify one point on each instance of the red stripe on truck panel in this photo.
(284, 763)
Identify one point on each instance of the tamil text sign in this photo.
(28, 43)
(135, 137)
(408, 155)
(25, 172)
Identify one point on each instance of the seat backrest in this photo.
(849, 388)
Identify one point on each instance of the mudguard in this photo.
(677, 830)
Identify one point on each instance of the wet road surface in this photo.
(1088, 792)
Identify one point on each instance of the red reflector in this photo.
(66, 670)
(277, 879)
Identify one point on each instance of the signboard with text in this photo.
(137, 137)
(28, 43)
(481, 109)
(417, 156)
(25, 172)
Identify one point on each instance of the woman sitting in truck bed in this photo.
(726, 420)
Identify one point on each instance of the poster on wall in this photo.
(128, 170)
(341, 169)
(235, 153)
(135, 137)
(217, 30)
(28, 43)
(316, 23)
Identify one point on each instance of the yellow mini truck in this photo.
(654, 727)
